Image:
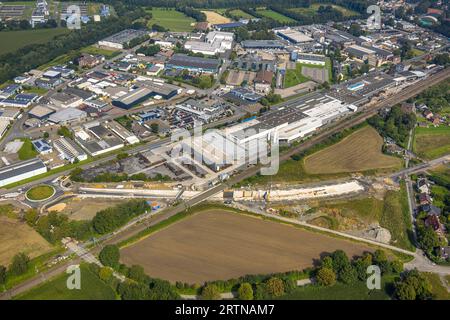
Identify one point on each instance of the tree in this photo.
(326, 276)
(245, 291)
(137, 273)
(46, 135)
(275, 287)
(2, 275)
(65, 132)
(154, 127)
(413, 286)
(31, 217)
(122, 155)
(105, 273)
(20, 264)
(133, 291)
(340, 260)
(210, 292)
(348, 274)
(110, 255)
(361, 264)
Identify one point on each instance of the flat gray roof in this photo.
(22, 167)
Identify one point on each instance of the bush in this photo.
(2, 274)
(19, 264)
(109, 256)
(275, 287)
(137, 273)
(210, 292)
(245, 291)
(326, 276)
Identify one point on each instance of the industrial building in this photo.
(69, 150)
(216, 42)
(21, 100)
(96, 139)
(123, 133)
(20, 171)
(67, 115)
(146, 90)
(309, 58)
(262, 44)
(293, 36)
(195, 64)
(40, 112)
(42, 146)
(122, 39)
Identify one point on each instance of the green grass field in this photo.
(294, 76)
(13, 40)
(396, 218)
(27, 150)
(40, 192)
(274, 15)
(97, 51)
(312, 10)
(340, 291)
(92, 288)
(432, 142)
(171, 19)
(241, 14)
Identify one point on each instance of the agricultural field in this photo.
(83, 209)
(360, 151)
(13, 40)
(312, 10)
(241, 14)
(274, 15)
(16, 237)
(219, 244)
(215, 18)
(433, 142)
(92, 288)
(294, 77)
(171, 19)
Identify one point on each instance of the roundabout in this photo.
(40, 193)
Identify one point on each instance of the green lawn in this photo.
(439, 291)
(92, 288)
(432, 142)
(274, 15)
(294, 76)
(312, 10)
(27, 150)
(340, 291)
(40, 192)
(13, 40)
(171, 19)
(241, 14)
(97, 51)
(396, 218)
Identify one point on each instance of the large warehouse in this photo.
(20, 171)
(196, 64)
(145, 91)
(122, 39)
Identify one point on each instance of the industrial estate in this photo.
(207, 150)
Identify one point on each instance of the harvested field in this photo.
(215, 18)
(217, 244)
(360, 151)
(16, 236)
(85, 209)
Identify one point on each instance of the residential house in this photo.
(428, 114)
(423, 186)
(433, 222)
(424, 199)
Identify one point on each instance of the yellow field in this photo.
(360, 151)
(15, 237)
(215, 18)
